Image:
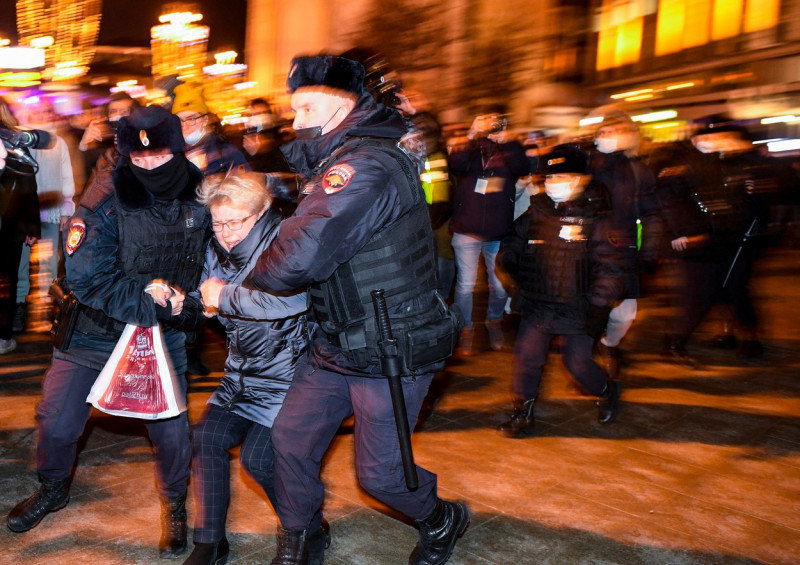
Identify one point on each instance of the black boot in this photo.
(173, 527)
(209, 553)
(608, 403)
(292, 547)
(317, 543)
(439, 532)
(52, 495)
(521, 421)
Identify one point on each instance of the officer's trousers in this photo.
(312, 412)
(530, 356)
(62, 416)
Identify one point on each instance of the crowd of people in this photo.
(282, 236)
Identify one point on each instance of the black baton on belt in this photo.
(392, 368)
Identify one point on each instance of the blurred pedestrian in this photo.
(635, 222)
(56, 188)
(20, 225)
(568, 274)
(262, 139)
(486, 169)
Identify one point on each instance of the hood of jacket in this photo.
(367, 119)
(132, 194)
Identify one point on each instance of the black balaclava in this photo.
(167, 181)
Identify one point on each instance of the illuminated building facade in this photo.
(700, 57)
(67, 31)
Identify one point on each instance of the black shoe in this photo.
(521, 421)
(292, 547)
(209, 553)
(173, 527)
(317, 543)
(439, 532)
(608, 403)
(52, 495)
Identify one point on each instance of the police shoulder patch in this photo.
(337, 177)
(77, 233)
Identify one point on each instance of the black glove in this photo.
(596, 320)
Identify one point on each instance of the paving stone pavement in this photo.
(701, 467)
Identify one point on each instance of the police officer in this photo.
(145, 227)
(569, 274)
(361, 225)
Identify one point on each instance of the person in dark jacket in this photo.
(362, 224)
(635, 222)
(266, 336)
(486, 169)
(569, 274)
(146, 227)
(19, 225)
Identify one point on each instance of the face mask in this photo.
(164, 182)
(558, 191)
(304, 134)
(606, 144)
(194, 137)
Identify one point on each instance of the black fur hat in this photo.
(327, 70)
(151, 127)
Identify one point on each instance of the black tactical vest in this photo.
(150, 248)
(400, 259)
(554, 266)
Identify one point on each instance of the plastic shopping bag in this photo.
(137, 381)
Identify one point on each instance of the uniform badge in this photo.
(77, 231)
(337, 177)
(143, 138)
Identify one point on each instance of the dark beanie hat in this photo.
(151, 127)
(327, 70)
(564, 159)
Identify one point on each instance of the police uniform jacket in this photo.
(344, 205)
(94, 270)
(267, 332)
(562, 260)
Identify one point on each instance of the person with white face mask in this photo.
(568, 274)
(204, 146)
(631, 186)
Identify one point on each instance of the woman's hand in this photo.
(210, 291)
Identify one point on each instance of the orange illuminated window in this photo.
(669, 28)
(620, 26)
(761, 14)
(727, 19)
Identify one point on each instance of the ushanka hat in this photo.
(327, 70)
(149, 128)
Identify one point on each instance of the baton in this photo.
(392, 370)
(747, 234)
